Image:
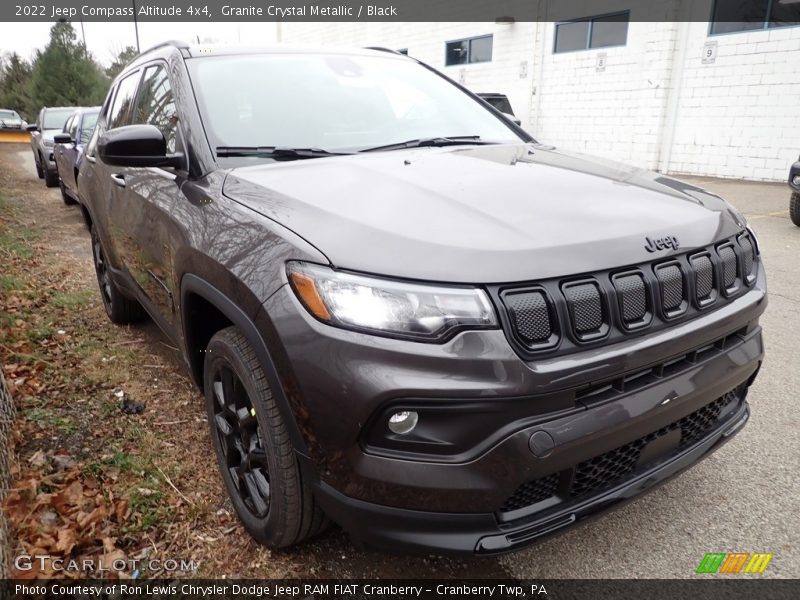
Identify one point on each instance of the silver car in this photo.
(10, 120)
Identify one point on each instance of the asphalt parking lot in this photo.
(745, 497)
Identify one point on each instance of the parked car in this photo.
(69, 145)
(49, 123)
(405, 314)
(501, 103)
(794, 201)
(10, 120)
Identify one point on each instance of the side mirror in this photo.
(136, 146)
(32, 128)
(62, 138)
(513, 119)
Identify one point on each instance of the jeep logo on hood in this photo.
(663, 243)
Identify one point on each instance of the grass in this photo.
(74, 299)
(11, 283)
(47, 416)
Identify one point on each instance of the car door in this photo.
(69, 154)
(61, 151)
(147, 196)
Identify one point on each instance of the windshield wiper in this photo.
(276, 152)
(455, 140)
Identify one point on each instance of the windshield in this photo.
(8, 114)
(333, 102)
(55, 119)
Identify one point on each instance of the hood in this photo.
(482, 214)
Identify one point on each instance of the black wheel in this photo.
(39, 170)
(794, 208)
(119, 308)
(50, 179)
(64, 195)
(255, 455)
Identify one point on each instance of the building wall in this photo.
(655, 104)
(739, 116)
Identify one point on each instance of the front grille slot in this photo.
(632, 294)
(606, 470)
(730, 268)
(704, 279)
(748, 257)
(531, 317)
(673, 297)
(585, 305)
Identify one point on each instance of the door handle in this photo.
(118, 179)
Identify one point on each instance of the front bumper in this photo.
(401, 530)
(465, 497)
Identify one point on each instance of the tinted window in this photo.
(470, 50)
(89, 121)
(480, 50)
(457, 53)
(120, 109)
(156, 104)
(572, 36)
(593, 32)
(746, 15)
(609, 31)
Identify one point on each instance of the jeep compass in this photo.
(406, 315)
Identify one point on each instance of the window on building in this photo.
(593, 32)
(470, 50)
(747, 15)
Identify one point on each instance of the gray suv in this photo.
(49, 123)
(405, 314)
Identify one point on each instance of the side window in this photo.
(156, 104)
(73, 127)
(87, 126)
(121, 108)
(95, 135)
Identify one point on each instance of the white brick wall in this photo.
(656, 105)
(740, 116)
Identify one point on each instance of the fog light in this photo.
(403, 422)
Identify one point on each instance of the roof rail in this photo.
(383, 49)
(174, 43)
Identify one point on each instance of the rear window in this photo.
(56, 118)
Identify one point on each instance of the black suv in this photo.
(406, 315)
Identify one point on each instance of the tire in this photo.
(266, 486)
(38, 163)
(120, 308)
(50, 179)
(794, 208)
(64, 195)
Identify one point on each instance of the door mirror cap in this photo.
(32, 128)
(513, 119)
(136, 146)
(62, 138)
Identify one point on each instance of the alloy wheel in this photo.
(241, 441)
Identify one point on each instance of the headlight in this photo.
(48, 143)
(391, 308)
